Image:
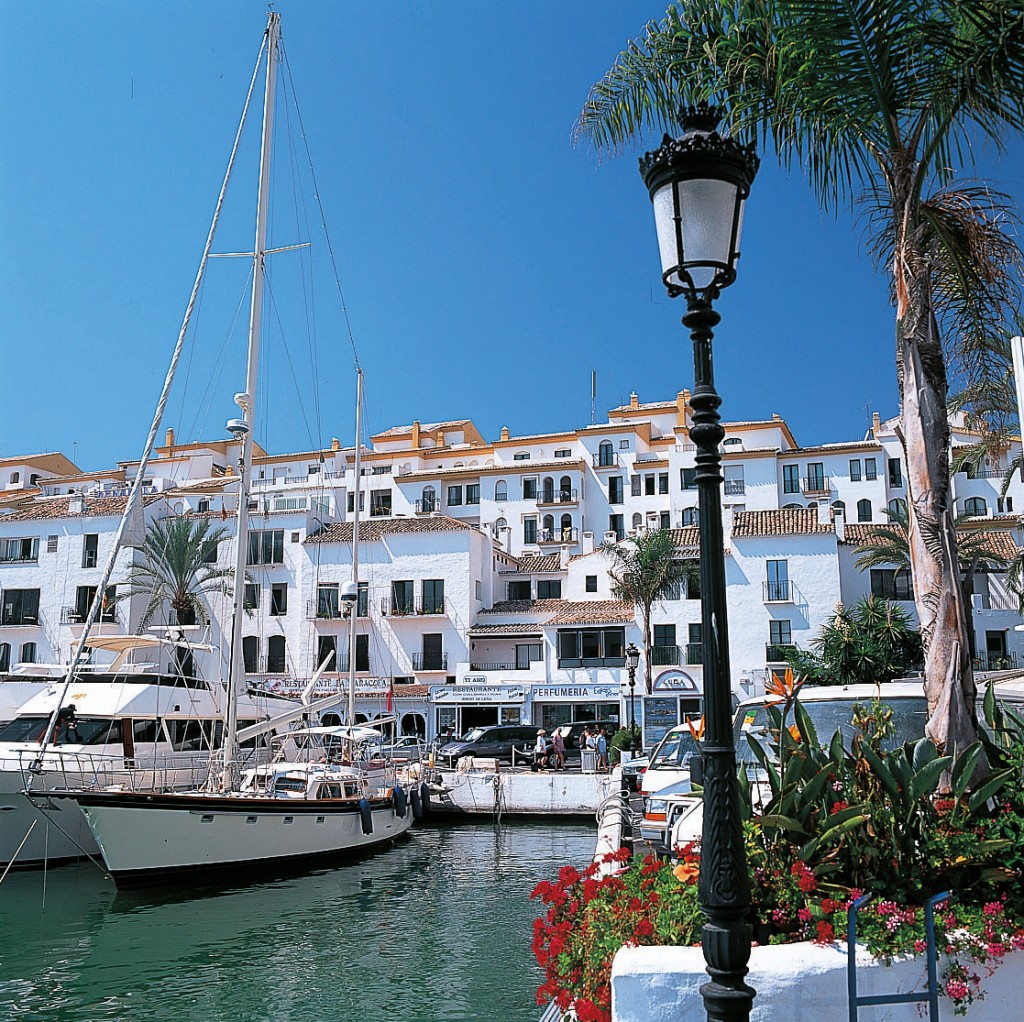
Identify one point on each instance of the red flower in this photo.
(825, 934)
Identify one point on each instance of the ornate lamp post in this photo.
(632, 662)
(699, 184)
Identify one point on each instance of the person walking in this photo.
(558, 745)
(540, 751)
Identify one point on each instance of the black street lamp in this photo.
(699, 184)
(632, 663)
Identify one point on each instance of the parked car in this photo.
(662, 809)
(571, 733)
(830, 709)
(632, 770)
(498, 741)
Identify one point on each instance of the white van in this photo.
(669, 760)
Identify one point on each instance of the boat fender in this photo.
(401, 804)
(366, 813)
(417, 806)
(425, 798)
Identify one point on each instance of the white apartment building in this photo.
(484, 594)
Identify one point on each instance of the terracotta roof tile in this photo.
(375, 529)
(523, 607)
(999, 542)
(781, 522)
(501, 468)
(585, 612)
(514, 629)
(547, 562)
(57, 507)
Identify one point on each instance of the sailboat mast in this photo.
(355, 551)
(247, 403)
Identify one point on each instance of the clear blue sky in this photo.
(488, 266)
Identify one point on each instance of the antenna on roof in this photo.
(593, 396)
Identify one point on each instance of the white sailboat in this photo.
(296, 809)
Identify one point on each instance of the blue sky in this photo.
(487, 265)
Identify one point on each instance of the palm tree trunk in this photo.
(949, 678)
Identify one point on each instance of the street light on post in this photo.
(698, 185)
(632, 663)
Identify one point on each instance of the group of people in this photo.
(552, 752)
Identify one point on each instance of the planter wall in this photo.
(798, 983)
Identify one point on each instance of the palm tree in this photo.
(179, 567)
(876, 100)
(646, 568)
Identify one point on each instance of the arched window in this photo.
(276, 654)
(812, 503)
(28, 653)
(975, 506)
(5, 657)
(565, 489)
(251, 653)
(566, 528)
(548, 490)
(547, 527)
(605, 453)
(15, 477)
(864, 510)
(414, 724)
(429, 501)
(790, 507)
(691, 516)
(839, 505)
(203, 505)
(638, 519)
(501, 490)
(33, 479)
(895, 507)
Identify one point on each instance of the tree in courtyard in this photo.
(179, 567)
(880, 101)
(871, 643)
(645, 569)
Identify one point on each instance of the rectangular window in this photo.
(401, 598)
(734, 482)
(363, 600)
(649, 483)
(662, 482)
(22, 549)
(592, 647)
(327, 649)
(895, 472)
(529, 530)
(530, 488)
(20, 607)
(454, 496)
(51, 544)
(90, 549)
(777, 584)
(623, 445)
(549, 589)
(591, 584)
(664, 635)
(688, 478)
(615, 490)
(563, 452)
(528, 653)
(433, 657)
(616, 525)
(693, 581)
(352, 503)
(636, 484)
(210, 552)
(473, 493)
(381, 470)
(870, 469)
(790, 478)
(666, 517)
(433, 596)
(891, 584)
(251, 599)
(278, 599)
(519, 590)
(84, 595)
(855, 470)
(363, 653)
(380, 503)
(520, 457)
(816, 476)
(780, 633)
(266, 546)
(327, 601)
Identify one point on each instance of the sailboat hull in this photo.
(149, 837)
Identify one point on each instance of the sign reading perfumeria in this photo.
(574, 693)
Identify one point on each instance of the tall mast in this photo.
(243, 428)
(355, 554)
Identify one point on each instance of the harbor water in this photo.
(436, 929)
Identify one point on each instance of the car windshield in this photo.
(909, 716)
(473, 735)
(675, 750)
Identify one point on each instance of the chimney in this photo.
(682, 400)
(76, 504)
(169, 439)
(416, 434)
(839, 521)
(335, 444)
(505, 433)
(824, 513)
(563, 556)
(634, 401)
(876, 423)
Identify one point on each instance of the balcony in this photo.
(779, 591)
(558, 498)
(735, 487)
(606, 459)
(815, 485)
(406, 608)
(995, 661)
(486, 666)
(315, 610)
(558, 536)
(775, 652)
(695, 653)
(428, 506)
(664, 656)
(592, 661)
(77, 616)
(430, 661)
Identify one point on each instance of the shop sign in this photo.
(574, 693)
(675, 681)
(466, 694)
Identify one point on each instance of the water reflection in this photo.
(437, 929)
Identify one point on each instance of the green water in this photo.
(437, 929)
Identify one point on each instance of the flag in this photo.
(391, 695)
(223, 512)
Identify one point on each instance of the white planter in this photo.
(799, 983)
